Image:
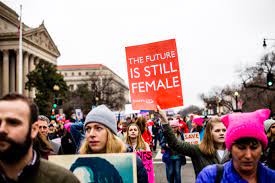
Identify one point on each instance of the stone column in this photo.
(25, 72)
(17, 72)
(32, 60)
(5, 72)
(1, 73)
(12, 72)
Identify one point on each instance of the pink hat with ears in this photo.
(245, 125)
(174, 123)
(199, 121)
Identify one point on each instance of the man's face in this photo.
(43, 127)
(15, 132)
(246, 157)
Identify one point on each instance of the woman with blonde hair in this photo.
(101, 137)
(134, 139)
(210, 151)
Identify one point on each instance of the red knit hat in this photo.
(245, 125)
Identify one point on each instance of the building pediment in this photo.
(41, 38)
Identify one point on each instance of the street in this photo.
(187, 171)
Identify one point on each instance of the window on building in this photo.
(72, 73)
(87, 73)
(65, 73)
(79, 73)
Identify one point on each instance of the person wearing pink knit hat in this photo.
(246, 140)
(197, 126)
(174, 123)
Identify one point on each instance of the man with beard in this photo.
(18, 161)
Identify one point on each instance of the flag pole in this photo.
(20, 67)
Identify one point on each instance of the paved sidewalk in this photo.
(187, 171)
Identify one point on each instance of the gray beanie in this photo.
(103, 115)
(267, 124)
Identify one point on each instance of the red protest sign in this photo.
(154, 75)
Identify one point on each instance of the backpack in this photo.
(220, 170)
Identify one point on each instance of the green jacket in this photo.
(43, 171)
(199, 159)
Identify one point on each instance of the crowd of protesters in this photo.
(238, 147)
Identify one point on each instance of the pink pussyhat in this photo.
(245, 125)
(67, 126)
(199, 121)
(174, 123)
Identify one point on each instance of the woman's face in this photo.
(96, 136)
(246, 157)
(218, 132)
(133, 131)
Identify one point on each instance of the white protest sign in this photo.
(192, 138)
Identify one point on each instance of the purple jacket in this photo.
(208, 174)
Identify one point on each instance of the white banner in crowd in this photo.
(192, 138)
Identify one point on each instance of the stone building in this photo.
(75, 75)
(37, 45)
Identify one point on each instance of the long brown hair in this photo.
(113, 145)
(140, 141)
(207, 145)
(141, 123)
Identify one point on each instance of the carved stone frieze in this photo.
(6, 27)
(41, 39)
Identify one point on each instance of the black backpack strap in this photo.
(219, 173)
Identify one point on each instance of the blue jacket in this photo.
(208, 174)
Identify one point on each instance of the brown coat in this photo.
(44, 172)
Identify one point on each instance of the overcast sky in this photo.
(214, 38)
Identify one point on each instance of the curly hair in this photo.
(141, 123)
